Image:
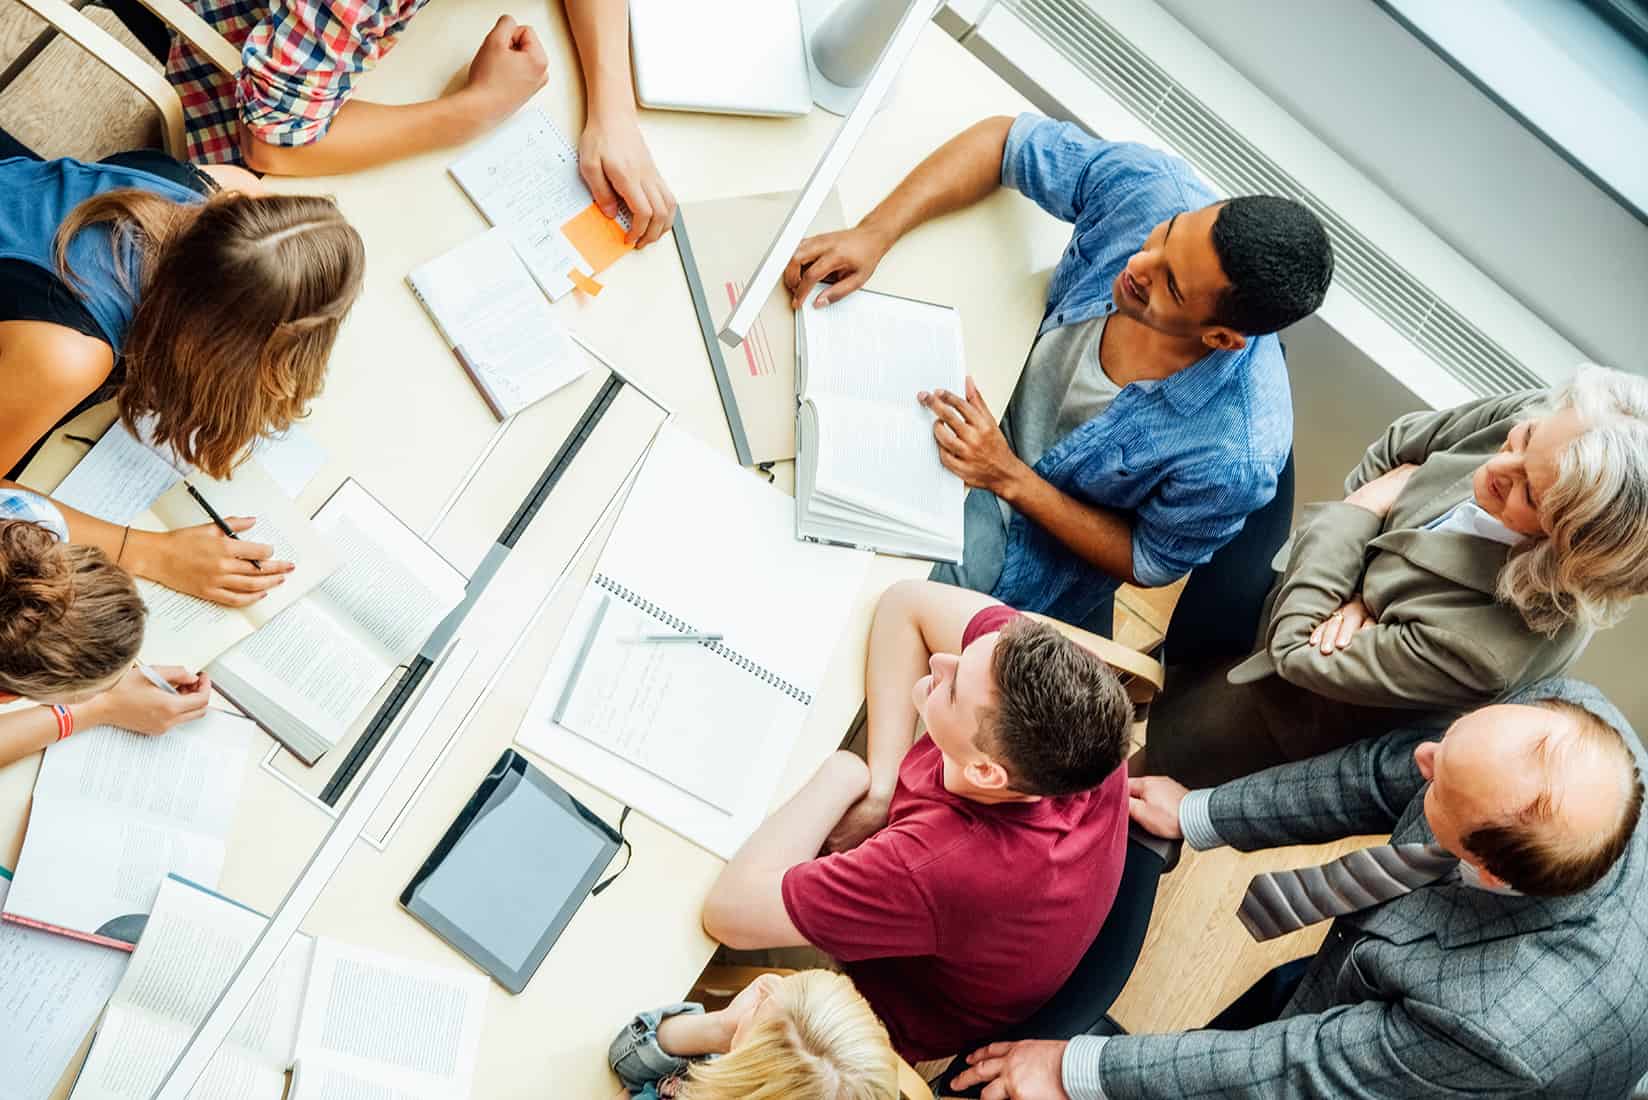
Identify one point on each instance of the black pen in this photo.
(217, 519)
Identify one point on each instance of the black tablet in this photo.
(510, 872)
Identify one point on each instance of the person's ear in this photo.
(1222, 338)
(1488, 878)
(985, 774)
(1425, 756)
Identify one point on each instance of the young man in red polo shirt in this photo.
(969, 870)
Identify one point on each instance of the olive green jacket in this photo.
(1442, 640)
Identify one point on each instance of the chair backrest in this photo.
(1081, 1005)
(112, 53)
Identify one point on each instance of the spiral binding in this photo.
(765, 675)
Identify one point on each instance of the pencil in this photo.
(222, 525)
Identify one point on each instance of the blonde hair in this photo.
(71, 620)
(823, 1043)
(1595, 560)
(239, 300)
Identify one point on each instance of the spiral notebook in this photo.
(695, 734)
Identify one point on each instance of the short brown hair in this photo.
(1060, 721)
(239, 303)
(1536, 859)
(71, 621)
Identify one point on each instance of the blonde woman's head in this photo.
(1573, 477)
(810, 1036)
(71, 620)
(239, 303)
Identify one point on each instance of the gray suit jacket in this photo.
(1449, 991)
(1443, 640)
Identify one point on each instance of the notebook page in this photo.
(51, 990)
(404, 1025)
(189, 631)
(714, 544)
(190, 949)
(118, 478)
(498, 322)
(678, 709)
(115, 812)
(330, 1083)
(524, 178)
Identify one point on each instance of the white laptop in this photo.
(740, 57)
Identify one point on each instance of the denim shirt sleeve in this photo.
(635, 1055)
(1182, 525)
(1075, 176)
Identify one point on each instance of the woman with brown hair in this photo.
(70, 628)
(205, 306)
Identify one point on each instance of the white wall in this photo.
(1341, 402)
(1381, 99)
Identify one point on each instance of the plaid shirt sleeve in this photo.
(300, 63)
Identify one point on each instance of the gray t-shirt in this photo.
(1063, 387)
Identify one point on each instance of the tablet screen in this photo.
(511, 872)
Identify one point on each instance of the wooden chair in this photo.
(134, 70)
(719, 984)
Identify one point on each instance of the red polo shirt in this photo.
(961, 918)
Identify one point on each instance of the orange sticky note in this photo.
(584, 282)
(598, 239)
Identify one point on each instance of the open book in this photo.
(182, 629)
(307, 676)
(394, 1028)
(115, 812)
(867, 471)
(498, 323)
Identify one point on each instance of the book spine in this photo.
(760, 672)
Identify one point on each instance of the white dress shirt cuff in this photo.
(1196, 823)
(1081, 1067)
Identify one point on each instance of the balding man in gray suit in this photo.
(1509, 957)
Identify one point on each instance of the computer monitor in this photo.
(771, 268)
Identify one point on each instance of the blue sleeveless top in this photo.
(35, 198)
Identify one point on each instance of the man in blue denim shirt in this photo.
(1138, 469)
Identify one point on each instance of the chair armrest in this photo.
(1113, 653)
(125, 64)
(198, 33)
(911, 1086)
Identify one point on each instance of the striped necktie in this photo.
(1280, 902)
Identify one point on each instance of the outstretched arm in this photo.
(612, 154)
(959, 173)
(745, 909)
(508, 69)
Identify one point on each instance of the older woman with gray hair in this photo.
(1477, 551)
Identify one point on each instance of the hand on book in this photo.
(137, 705)
(850, 255)
(970, 442)
(202, 561)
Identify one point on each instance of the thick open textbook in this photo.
(115, 812)
(393, 1027)
(308, 675)
(126, 481)
(867, 471)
